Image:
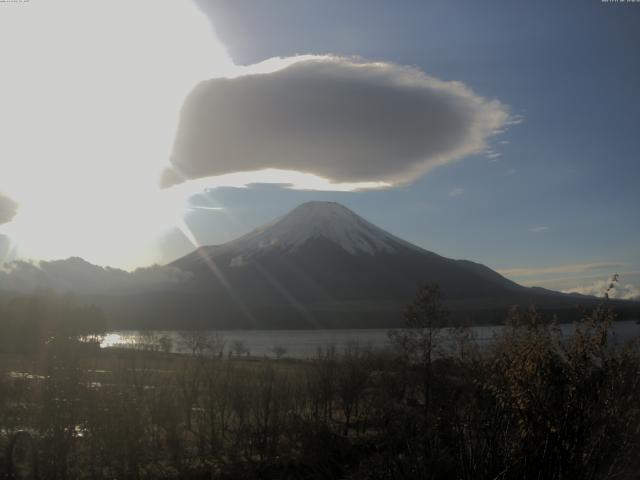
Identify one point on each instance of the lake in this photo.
(305, 343)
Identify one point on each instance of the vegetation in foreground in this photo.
(532, 405)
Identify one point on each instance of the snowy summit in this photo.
(313, 220)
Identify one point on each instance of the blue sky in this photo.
(564, 190)
(89, 121)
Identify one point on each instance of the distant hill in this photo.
(319, 266)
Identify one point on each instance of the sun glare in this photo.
(90, 101)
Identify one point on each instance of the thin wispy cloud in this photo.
(198, 207)
(558, 269)
(456, 192)
(515, 120)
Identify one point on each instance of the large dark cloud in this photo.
(8, 209)
(340, 119)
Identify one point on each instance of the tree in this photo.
(240, 347)
(351, 381)
(279, 351)
(425, 320)
(201, 343)
(166, 343)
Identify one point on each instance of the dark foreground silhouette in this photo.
(531, 406)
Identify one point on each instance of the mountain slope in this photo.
(321, 265)
(323, 251)
(313, 220)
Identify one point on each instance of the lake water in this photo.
(305, 343)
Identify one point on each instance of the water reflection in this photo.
(305, 343)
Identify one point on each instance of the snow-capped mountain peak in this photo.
(313, 220)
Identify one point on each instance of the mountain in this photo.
(323, 252)
(323, 266)
(319, 266)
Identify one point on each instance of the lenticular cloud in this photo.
(341, 119)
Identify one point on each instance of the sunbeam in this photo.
(213, 268)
